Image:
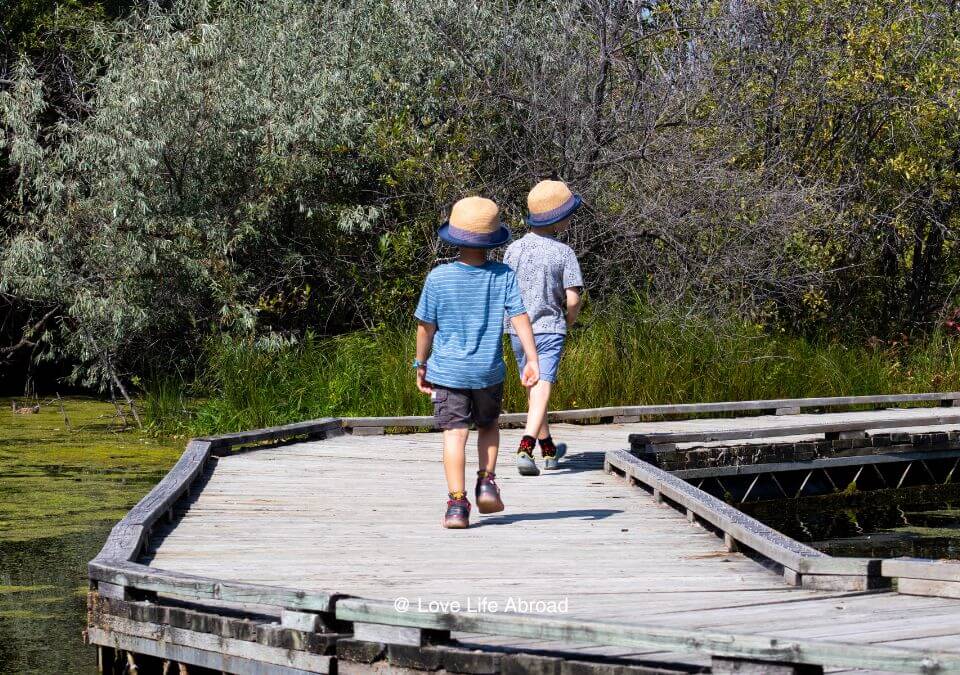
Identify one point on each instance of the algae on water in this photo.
(62, 487)
(57, 479)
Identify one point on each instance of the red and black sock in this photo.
(547, 448)
(527, 444)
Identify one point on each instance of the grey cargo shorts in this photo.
(457, 408)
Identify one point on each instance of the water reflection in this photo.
(919, 521)
(43, 603)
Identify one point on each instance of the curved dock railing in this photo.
(116, 576)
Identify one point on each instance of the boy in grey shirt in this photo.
(550, 283)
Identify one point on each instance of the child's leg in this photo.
(538, 399)
(488, 444)
(454, 460)
(486, 412)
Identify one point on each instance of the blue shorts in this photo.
(549, 349)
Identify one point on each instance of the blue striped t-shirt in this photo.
(467, 305)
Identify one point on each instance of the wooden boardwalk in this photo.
(361, 515)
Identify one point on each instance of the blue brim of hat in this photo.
(493, 240)
(556, 215)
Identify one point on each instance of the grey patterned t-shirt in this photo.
(545, 268)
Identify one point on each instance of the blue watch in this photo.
(417, 363)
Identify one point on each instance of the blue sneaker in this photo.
(525, 462)
(552, 453)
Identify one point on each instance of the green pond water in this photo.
(65, 478)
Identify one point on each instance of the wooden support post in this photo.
(730, 543)
(930, 587)
(692, 517)
(625, 419)
(105, 659)
(108, 590)
(792, 577)
(838, 435)
(308, 622)
(657, 496)
(367, 431)
(843, 582)
(790, 410)
(398, 635)
(729, 666)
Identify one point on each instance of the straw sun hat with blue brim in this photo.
(549, 202)
(475, 223)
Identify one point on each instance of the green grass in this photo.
(611, 360)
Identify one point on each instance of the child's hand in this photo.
(422, 383)
(531, 374)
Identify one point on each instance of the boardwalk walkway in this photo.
(361, 515)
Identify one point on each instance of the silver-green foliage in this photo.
(207, 130)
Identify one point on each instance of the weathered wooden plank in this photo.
(921, 568)
(214, 660)
(173, 485)
(720, 665)
(393, 635)
(891, 455)
(632, 413)
(749, 531)
(309, 428)
(807, 565)
(773, 404)
(654, 636)
(245, 649)
(132, 575)
(640, 441)
(123, 543)
(303, 621)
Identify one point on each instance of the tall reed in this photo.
(628, 359)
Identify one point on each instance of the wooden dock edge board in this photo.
(231, 647)
(178, 653)
(816, 571)
(791, 554)
(143, 578)
(923, 568)
(891, 455)
(643, 636)
(115, 563)
(671, 438)
(637, 411)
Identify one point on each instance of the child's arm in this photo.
(425, 333)
(531, 372)
(573, 306)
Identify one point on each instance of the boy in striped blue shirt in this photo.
(459, 358)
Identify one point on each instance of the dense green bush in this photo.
(266, 169)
